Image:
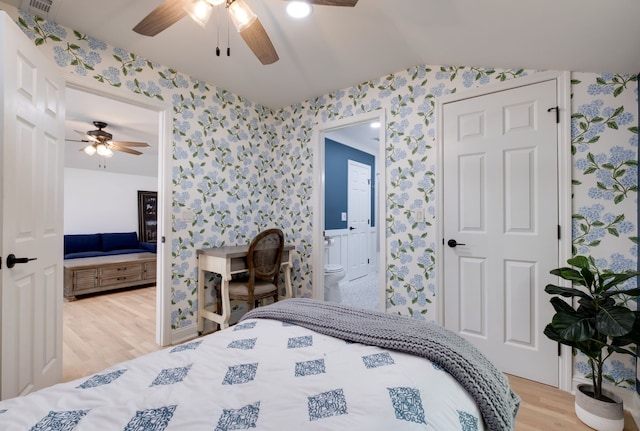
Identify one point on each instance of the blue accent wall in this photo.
(336, 169)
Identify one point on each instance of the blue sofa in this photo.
(104, 244)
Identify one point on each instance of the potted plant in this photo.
(598, 324)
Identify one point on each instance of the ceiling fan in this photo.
(245, 21)
(101, 142)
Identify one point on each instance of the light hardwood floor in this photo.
(102, 330)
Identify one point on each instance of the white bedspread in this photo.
(261, 374)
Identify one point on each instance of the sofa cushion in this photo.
(149, 246)
(118, 241)
(123, 251)
(82, 242)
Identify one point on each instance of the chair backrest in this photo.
(264, 256)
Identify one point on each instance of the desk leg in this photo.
(287, 281)
(226, 304)
(200, 291)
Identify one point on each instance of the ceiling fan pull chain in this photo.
(217, 32)
(228, 46)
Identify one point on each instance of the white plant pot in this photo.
(599, 415)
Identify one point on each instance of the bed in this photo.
(298, 364)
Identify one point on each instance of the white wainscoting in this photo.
(338, 252)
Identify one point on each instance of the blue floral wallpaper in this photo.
(241, 167)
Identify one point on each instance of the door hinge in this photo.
(163, 239)
(369, 182)
(368, 262)
(557, 109)
(559, 232)
(559, 349)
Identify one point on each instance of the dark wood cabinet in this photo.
(147, 216)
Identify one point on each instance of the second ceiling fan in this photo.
(100, 141)
(245, 21)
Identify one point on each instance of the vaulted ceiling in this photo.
(337, 47)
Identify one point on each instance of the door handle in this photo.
(12, 260)
(452, 243)
(351, 228)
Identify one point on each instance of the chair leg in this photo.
(219, 300)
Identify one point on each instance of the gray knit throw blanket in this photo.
(488, 386)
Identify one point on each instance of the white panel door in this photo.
(358, 218)
(501, 207)
(31, 150)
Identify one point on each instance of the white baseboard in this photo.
(184, 334)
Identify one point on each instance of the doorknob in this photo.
(351, 228)
(452, 243)
(12, 260)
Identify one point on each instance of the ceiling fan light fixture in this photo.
(298, 9)
(215, 2)
(102, 150)
(241, 14)
(89, 150)
(199, 10)
(108, 153)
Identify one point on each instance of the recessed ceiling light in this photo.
(298, 9)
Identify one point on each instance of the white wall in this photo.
(102, 201)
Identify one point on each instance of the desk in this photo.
(227, 261)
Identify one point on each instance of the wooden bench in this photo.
(101, 273)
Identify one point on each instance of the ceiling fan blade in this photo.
(125, 150)
(76, 140)
(258, 40)
(348, 3)
(162, 17)
(84, 135)
(130, 144)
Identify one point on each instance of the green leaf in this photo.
(615, 322)
(570, 274)
(579, 261)
(567, 292)
(573, 327)
(629, 292)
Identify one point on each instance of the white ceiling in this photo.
(337, 47)
(125, 122)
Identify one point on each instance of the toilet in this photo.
(332, 276)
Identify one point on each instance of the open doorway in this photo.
(101, 194)
(349, 211)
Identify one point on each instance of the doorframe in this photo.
(163, 264)
(563, 92)
(317, 245)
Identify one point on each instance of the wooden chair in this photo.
(264, 258)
